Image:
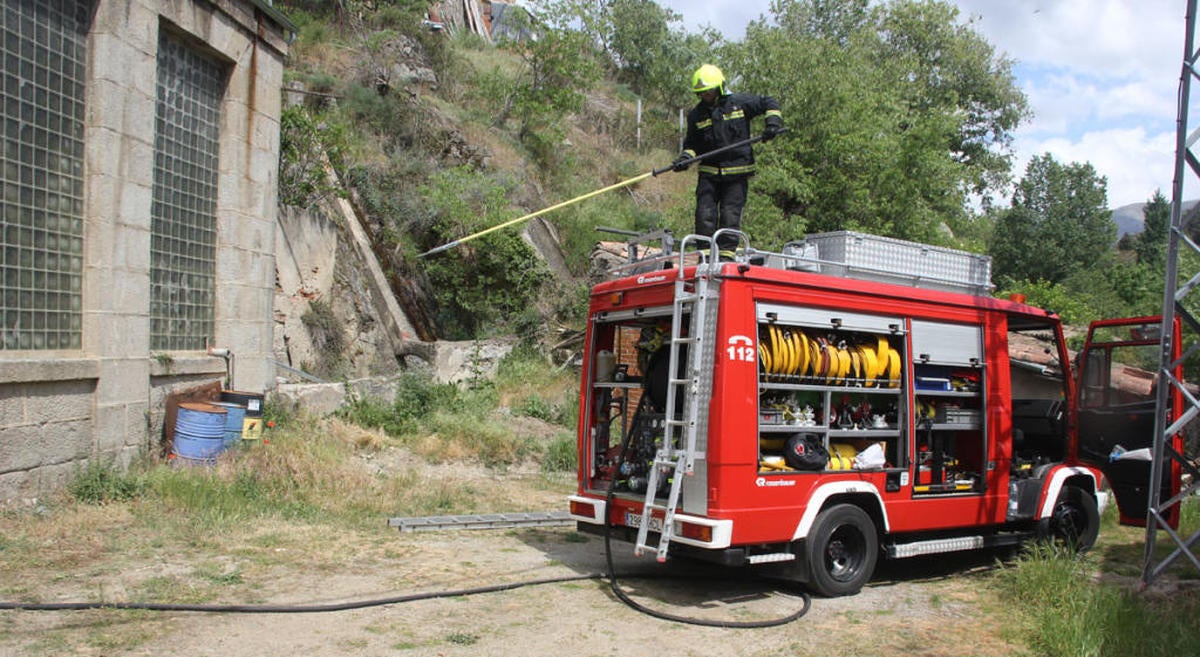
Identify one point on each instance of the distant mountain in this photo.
(1130, 218)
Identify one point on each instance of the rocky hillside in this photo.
(351, 300)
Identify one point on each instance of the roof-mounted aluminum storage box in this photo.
(888, 260)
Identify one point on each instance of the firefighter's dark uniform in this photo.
(723, 179)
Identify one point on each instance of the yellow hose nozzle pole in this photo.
(624, 183)
(451, 245)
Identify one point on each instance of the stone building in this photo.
(137, 220)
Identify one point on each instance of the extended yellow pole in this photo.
(531, 215)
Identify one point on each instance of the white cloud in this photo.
(1102, 80)
(1134, 163)
(1137, 98)
(1102, 38)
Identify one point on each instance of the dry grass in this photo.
(360, 438)
(54, 540)
(503, 154)
(440, 449)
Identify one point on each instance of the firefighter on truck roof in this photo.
(721, 118)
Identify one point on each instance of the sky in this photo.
(1101, 76)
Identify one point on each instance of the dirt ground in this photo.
(921, 612)
(936, 607)
(933, 617)
(931, 608)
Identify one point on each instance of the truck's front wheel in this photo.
(1075, 520)
(842, 549)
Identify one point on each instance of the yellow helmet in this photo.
(708, 77)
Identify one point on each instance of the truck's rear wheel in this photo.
(1075, 520)
(842, 549)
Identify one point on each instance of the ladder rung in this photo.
(673, 460)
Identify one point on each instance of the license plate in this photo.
(635, 520)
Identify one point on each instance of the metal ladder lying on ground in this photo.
(676, 457)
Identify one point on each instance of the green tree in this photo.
(557, 69)
(650, 49)
(1058, 224)
(1136, 286)
(306, 144)
(1151, 245)
(590, 18)
(1053, 297)
(948, 67)
(639, 30)
(836, 21)
(897, 113)
(642, 43)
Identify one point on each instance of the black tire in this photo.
(842, 549)
(1074, 521)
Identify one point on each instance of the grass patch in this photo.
(218, 575)
(115, 633)
(1064, 609)
(172, 589)
(462, 639)
(1070, 605)
(561, 455)
(449, 423)
(532, 387)
(312, 477)
(487, 440)
(100, 482)
(310, 473)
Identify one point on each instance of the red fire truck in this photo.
(849, 398)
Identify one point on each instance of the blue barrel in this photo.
(235, 414)
(199, 432)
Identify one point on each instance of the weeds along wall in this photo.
(141, 225)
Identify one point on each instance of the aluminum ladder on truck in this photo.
(676, 456)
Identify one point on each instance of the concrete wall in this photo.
(58, 409)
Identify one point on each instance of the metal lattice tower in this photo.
(1176, 299)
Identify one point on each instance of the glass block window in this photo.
(43, 43)
(183, 234)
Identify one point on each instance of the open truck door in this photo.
(1117, 379)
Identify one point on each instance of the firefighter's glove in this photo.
(681, 163)
(772, 130)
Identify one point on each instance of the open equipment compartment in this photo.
(833, 377)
